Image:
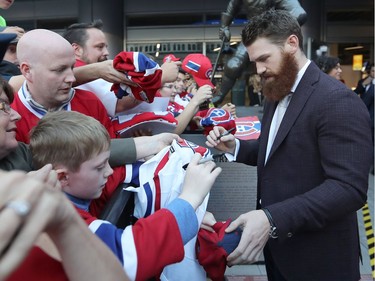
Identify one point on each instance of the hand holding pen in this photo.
(226, 133)
(220, 139)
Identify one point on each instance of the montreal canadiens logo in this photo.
(216, 116)
(248, 129)
(209, 73)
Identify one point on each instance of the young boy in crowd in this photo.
(145, 248)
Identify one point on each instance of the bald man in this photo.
(46, 61)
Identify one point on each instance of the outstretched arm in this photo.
(150, 145)
(128, 150)
(104, 70)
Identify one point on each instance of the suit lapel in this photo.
(299, 98)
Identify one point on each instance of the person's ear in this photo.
(78, 50)
(26, 71)
(292, 44)
(63, 177)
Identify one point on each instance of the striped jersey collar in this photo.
(26, 97)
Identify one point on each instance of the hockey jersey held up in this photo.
(141, 70)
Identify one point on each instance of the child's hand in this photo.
(231, 108)
(198, 181)
(192, 88)
(208, 221)
(163, 139)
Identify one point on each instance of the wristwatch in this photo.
(273, 230)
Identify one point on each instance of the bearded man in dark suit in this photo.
(313, 156)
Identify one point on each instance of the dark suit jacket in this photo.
(368, 99)
(315, 179)
(359, 90)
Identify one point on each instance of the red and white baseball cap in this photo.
(200, 67)
(170, 57)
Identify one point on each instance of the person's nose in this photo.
(105, 51)
(260, 68)
(14, 115)
(109, 171)
(70, 78)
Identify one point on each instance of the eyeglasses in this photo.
(4, 106)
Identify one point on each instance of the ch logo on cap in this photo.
(208, 73)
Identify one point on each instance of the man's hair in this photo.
(326, 64)
(275, 25)
(67, 138)
(368, 67)
(77, 32)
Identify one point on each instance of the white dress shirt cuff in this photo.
(230, 156)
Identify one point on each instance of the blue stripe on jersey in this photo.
(135, 172)
(145, 63)
(148, 192)
(111, 236)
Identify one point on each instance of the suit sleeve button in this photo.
(289, 234)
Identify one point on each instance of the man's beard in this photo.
(104, 58)
(85, 59)
(283, 80)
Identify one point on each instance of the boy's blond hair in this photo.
(67, 138)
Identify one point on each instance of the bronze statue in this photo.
(238, 62)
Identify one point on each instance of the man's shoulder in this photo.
(86, 96)
(319, 80)
(83, 92)
(86, 102)
(79, 63)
